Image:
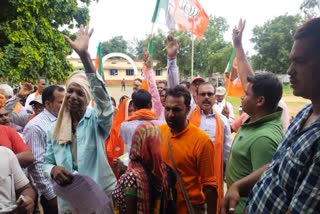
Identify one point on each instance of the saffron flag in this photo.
(188, 15)
(232, 81)
(99, 65)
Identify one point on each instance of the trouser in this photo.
(47, 209)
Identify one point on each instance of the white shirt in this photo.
(12, 177)
(208, 124)
(218, 106)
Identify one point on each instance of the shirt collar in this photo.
(51, 117)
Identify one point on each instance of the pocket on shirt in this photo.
(291, 169)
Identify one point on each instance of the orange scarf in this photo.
(17, 107)
(195, 118)
(114, 144)
(143, 114)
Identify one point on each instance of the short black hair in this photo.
(180, 91)
(141, 99)
(138, 79)
(187, 83)
(268, 86)
(113, 100)
(48, 93)
(310, 29)
(122, 98)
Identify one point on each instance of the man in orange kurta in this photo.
(192, 151)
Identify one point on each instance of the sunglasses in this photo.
(209, 94)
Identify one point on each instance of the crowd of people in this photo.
(176, 135)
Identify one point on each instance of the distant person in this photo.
(186, 84)
(137, 84)
(222, 106)
(123, 85)
(41, 84)
(161, 85)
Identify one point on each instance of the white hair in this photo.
(6, 90)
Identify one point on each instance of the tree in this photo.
(115, 44)
(31, 42)
(311, 8)
(273, 42)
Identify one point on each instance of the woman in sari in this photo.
(141, 188)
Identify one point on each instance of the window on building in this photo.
(113, 72)
(158, 73)
(129, 72)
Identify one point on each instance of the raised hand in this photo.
(146, 58)
(81, 43)
(25, 90)
(237, 33)
(172, 47)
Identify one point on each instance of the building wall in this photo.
(117, 69)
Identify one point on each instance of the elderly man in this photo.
(290, 183)
(77, 141)
(41, 84)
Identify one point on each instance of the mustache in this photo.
(206, 101)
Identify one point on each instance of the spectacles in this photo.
(209, 94)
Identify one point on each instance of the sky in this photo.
(132, 18)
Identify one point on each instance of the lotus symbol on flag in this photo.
(188, 8)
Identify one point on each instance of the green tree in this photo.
(273, 42)
(31, 42)
(311, 8)
(116, 44)
(213, 52)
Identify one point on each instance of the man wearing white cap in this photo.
(222, 106)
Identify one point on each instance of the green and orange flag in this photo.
(99, 64)
(232, 81)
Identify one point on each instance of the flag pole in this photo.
(192, 53)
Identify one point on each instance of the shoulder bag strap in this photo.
(184, 192)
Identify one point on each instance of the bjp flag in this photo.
(189, 16)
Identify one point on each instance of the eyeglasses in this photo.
(209, 94)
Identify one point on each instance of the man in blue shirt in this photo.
(77, 141)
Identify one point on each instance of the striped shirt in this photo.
(35, 134)
(292, 180)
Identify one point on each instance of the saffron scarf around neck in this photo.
(195, 118)
(143, 114)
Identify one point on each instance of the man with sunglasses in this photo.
(216, 126)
